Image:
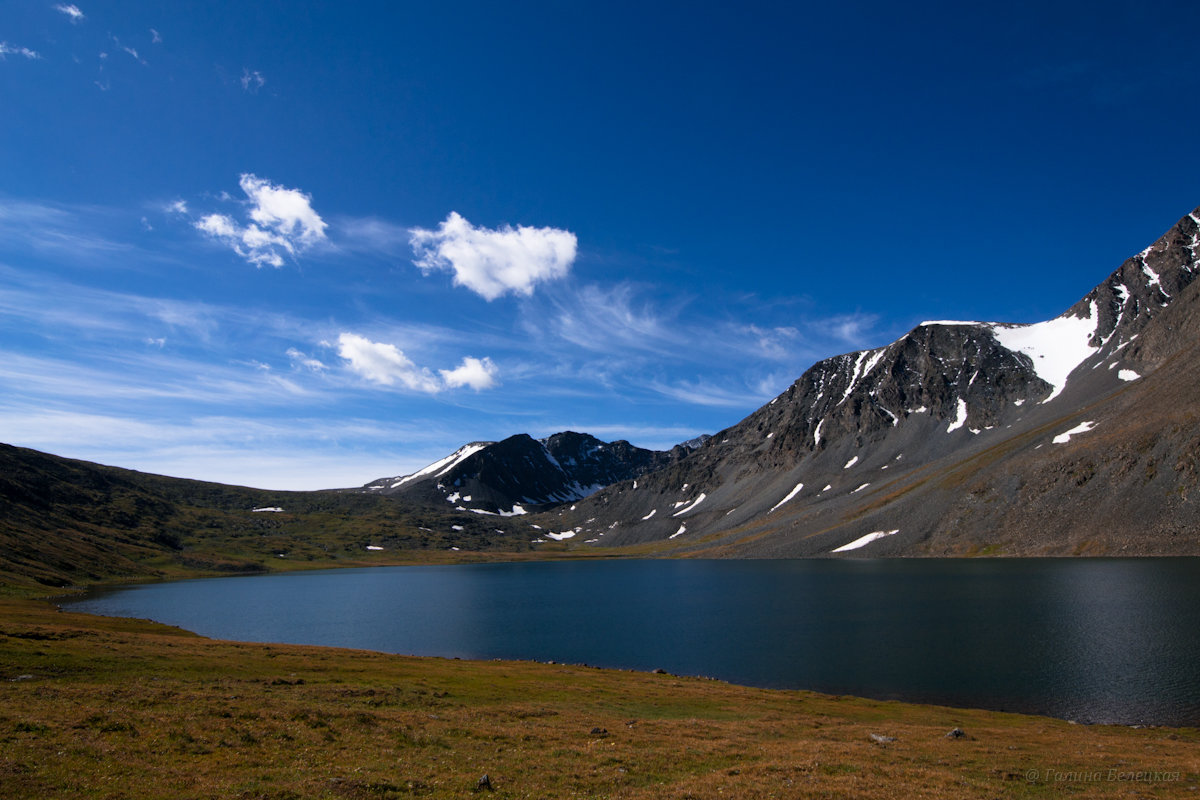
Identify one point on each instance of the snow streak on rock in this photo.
(864, 540)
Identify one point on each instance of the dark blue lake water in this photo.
(1093, 640)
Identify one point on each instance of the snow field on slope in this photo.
(1056, 347)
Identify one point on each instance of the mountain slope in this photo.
(64, 521)
(943, 442)
(521, 473)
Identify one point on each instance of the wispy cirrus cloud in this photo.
(282, 222)
(615, 318)
(276, 453)
(637, 338)
(705, 393)
(82, 234)
(494, 262)
(71, 11)
(7, 49)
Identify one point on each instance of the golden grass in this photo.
(106, 708)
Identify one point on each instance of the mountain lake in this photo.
(1090, 640)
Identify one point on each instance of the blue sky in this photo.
(304, 245)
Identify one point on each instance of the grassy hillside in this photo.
(64, 521)
(108, 708)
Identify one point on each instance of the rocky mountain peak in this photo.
(945, 390)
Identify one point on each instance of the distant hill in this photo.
(64, 521)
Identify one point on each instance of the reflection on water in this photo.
(1094, 640)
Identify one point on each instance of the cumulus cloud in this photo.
(490, 262)
(386, 364)
(282, 222)
(7, 49)
(477, 373)
(72, 11)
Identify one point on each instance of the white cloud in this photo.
(477, 373)
(252, 80)
(72, 11)
(156, 37)
(283, 222)
(288, 211)
(7, 49)
(490, 262)
(386, 364)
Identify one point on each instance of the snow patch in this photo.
(272, 509)
(695, 503)
(790, 495)
(828, 486)
(961, 417)
(651, 514)
(517, 510)
(440, 468)
(817, 434)
(456, 527)
(1082, 427)
(558, 537)
(771, 435)
(861, 369)
(374, 547)
(859, 489)
(1128, 375)
(863, 541)
(1153, 278)
(851, 463)
(682, 529)
(1055, 347)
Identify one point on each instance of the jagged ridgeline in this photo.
(523, 474)
(1074, 435)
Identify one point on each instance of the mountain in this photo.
(1076, 435)
(521, 473)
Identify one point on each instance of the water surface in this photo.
(1093, 640)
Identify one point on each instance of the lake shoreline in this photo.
(290, 720)
(921, 659)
